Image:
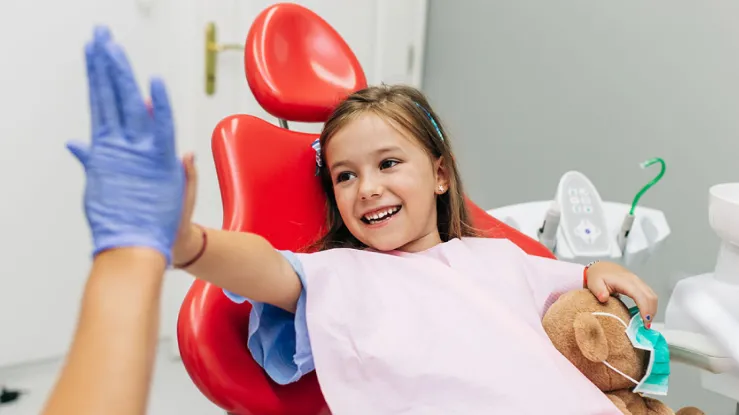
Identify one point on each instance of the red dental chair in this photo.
(268, 187)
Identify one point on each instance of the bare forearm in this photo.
(109, 366)
(243, 263)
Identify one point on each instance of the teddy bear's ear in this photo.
(590, 337)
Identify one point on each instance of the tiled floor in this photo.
(172, 392)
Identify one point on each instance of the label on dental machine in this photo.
(583, 221)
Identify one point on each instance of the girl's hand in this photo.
(605, 279)
(189, 240)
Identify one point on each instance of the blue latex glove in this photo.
(135, 181)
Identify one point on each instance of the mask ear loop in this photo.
(610, 366)
(620, 372)
(599, 313)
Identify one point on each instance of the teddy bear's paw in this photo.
(655, 407)
(620, 404)
(690, 410)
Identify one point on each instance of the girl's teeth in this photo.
(380, 215)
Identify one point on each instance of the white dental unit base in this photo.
(578, 226)
(703, 312)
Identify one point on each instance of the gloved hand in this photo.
(134, 179)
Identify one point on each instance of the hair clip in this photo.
(317, 148)
(433, 121)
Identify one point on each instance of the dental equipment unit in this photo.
(578, 226)
(702, 315)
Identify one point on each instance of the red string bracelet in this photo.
(585, 274)
(200, 253)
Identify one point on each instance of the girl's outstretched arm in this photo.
(242, 263)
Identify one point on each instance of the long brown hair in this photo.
(407, 108)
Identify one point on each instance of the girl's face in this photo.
(385, 185)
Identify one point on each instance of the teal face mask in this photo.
(655, 379)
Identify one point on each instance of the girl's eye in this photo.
(343, 176)
(386, 164)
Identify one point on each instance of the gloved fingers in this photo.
(102, 34)
(135, 120)
(164, 137)
(103, 85)
(80, 150)
(96, 117)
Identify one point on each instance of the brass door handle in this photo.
(212, 48)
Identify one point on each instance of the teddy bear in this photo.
(588, 340)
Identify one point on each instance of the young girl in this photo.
(403, 309)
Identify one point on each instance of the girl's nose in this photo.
(369, 189)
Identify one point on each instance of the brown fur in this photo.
(586, 340)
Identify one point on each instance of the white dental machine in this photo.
(578, 226)
(702, 319)
(702, 316)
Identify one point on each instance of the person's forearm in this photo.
(109, 366)
(243, 263)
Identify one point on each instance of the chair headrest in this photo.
(267, 180)
(297, 66)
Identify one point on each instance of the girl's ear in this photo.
(442, 176)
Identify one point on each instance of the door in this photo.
(45, 247)
(400, 41)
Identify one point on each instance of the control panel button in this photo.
(588, 232)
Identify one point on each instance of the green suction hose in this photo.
(654, 181)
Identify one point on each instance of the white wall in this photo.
(45, 245)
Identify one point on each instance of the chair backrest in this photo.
(297, 66)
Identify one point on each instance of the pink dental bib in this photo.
(455, 329)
